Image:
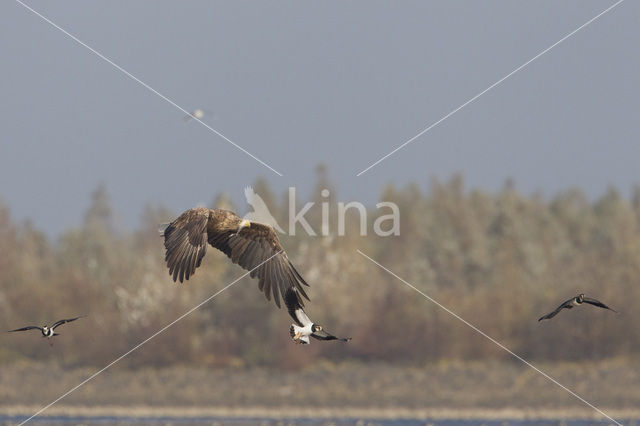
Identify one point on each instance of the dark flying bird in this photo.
(247, 243)
(304, 327)
(575, 301)
(47, 331)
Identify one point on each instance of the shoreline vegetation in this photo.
(319, 413)
(476, 389)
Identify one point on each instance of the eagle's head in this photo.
(580, 298)
(316, 328)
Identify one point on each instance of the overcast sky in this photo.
(300, 83)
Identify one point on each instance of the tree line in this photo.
(498, 260)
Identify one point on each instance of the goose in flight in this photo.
(253, 246)
(304, 327)
(575, 301)
(47, 331)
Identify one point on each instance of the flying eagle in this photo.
(47, 331)
(304, 327)
(247, 243)
(575, 301)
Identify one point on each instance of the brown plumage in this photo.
(247, 244)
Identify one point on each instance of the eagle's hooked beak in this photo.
(244, 224)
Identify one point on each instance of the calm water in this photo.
(219, 421)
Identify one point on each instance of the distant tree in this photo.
(223, 201)
(99, 214)
(499, 260)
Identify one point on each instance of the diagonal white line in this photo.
(145, 85)
(494, 341)
(146, 340)
(491, 87)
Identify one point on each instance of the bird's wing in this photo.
(323, 335)
(565, 304)
(292, 302)
(63, 321)
(185, 241)
(257, 249)
(31, 327)
(597, 303)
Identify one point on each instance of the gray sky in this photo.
(300, 83)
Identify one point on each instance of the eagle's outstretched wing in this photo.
(255, 247)
(185, 241)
